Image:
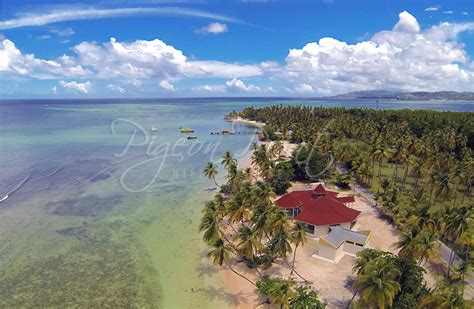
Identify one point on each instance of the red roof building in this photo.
(319, 207)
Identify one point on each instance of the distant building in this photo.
(327, 217)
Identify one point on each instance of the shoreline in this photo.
(249, 122)
(334, 290)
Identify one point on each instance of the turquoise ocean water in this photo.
(102, 213)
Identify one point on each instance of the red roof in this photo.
(326, 211)
(319, 206)
(346, 199)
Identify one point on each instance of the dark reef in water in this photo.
(88, 206)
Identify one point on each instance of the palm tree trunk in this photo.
(416, 180)
(352, 299)
(452, 257)
(294, 257)
(214, 179)
(380, 175)
(405, 176)
(292, 269)
(240, 275)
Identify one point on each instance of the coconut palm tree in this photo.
(249, 244)
(445, 297)
(407, 242)
(228, 160)
(378, 286)
(298, 237)
(418, 168)
(221, 254)
(211, 172)
(210, 223)
(426, 246)
(282, 293)
(458, 222)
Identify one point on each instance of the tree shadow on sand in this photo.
(206, 270)
(232, 299)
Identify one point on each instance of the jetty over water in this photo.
(234, 132)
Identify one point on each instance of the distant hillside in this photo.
(394, 95)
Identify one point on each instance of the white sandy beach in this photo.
(331, 281)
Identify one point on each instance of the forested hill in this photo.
(395, 95)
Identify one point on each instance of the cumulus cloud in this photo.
(116, 88)
(210, 88)
(213, 28)
(237, 84)
(405, 57)
(82, 88)
(304, 88)
(234, 85)
(137, 60)
(166, 85)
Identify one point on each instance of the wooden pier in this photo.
(234, 133)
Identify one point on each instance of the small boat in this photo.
(153, 130)
(226, 131)
(192, 137)
(186, 130)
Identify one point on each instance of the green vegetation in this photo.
(418, 164)
(385, 280)
(242, 224)
(283, 293)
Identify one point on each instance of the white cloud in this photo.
(54, 90)
(432, 8)
(77, 13)
(232, 86)
(238, 85)
(210, 88)
(134, 61)
(82, 88)
(64, 32)
(166, 85)
(116, 88)
(447, 12)
(465, 13)
(304, 88)
(213, 28)
(405, 57)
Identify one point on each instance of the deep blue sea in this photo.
(100, 209)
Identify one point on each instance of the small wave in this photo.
(16, 188)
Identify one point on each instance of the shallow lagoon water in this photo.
(95, 225)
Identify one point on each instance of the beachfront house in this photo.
(328, 218)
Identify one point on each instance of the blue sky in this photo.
(236, 48)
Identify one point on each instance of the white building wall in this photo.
(352, 249)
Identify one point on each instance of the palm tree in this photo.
(228, 160)
(280, 294)
(210, 223)
(398, 154)
(407, 241)
(418, 169)
(457, 223)
(378, 287)
(221, 254)
(426, 246)
(211, 171)
(249, 245)
(276, 149)
(445, 297)
(298, 237)
(444, 187)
